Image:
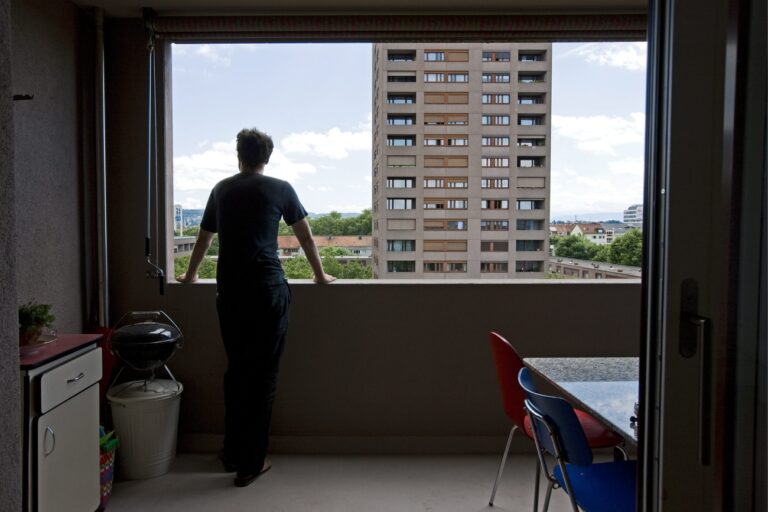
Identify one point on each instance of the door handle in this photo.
(694, 337)
(49, 430)
(705, 394)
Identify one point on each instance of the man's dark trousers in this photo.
(253, 325)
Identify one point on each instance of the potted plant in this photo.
(33, 317)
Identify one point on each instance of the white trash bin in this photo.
(146, 417)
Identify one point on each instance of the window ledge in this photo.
(449, 282)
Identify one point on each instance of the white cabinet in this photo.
(68, 455)
(61, 432)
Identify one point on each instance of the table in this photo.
(606, 387)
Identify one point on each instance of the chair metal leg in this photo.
(536, 489)
(501, 467)
(549, 495)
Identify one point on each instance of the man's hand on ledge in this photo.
(325, 279)
(184, 278)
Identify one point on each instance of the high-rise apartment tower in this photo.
(461, 160)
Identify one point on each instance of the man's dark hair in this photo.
(254, 147)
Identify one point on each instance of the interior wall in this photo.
(48, 158)
(383, 359)
(10, 440)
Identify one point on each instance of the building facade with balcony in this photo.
(461, 160)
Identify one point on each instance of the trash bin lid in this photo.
(142, 390)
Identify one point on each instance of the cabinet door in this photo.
(68, 455)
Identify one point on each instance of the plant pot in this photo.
(29, 336)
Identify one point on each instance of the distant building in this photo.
(560, 229)
(183, 245)
(361, 247)
(634, 215)
(595, 233)
(598, 233)
(582, 269)
(461, 159)
(178, 218)
(615, 230)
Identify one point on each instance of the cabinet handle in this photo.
(49, 430)
(75, 379)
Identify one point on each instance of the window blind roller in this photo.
(413, 28)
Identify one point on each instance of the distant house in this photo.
(360, 246)
(560, 229)
(597, 233)
(593, 232)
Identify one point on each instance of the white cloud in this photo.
(631, 56)
(595, 189)
(334, 143)
(321, 188)
(631, 166)
(368, 124)
(368, 178)
(192, 202)
(201, 171)
(601, 134)
(214, 54)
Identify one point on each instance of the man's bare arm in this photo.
(304, 233)
(204, 239)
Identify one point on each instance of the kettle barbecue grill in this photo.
(146, 340)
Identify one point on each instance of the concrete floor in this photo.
(328, 483)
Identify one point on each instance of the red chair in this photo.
(508, 365)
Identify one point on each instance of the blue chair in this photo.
(595, 487)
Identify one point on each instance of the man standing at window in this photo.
(253, 297)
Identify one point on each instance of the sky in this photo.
(317, 108)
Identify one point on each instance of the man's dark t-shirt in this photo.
(245, 210)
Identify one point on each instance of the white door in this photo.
(704, 237)
(68, 455)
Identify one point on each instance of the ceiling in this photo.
(132, 8)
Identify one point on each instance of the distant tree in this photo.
(334, 224)
(575, 246)
(335, 252)
(191, 231)
(360, 225)
(213, 250)
(327, 225)
(297, 268)
(354, 270)
(603, 253)
(207, 268)
(628, 249)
